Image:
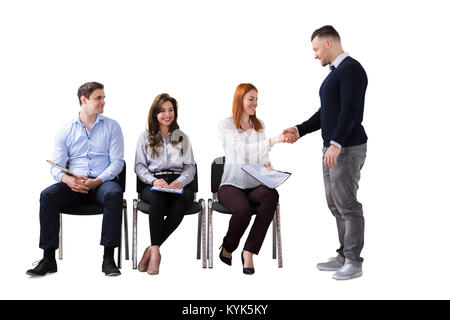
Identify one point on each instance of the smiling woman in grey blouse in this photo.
(244, 142)
(164, 158)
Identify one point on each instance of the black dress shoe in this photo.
(223, 258)
(109, 267)
(246, 270)
(44, 266)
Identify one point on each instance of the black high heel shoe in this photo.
(246, 270)
(223, 258)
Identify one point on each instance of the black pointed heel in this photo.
(223, 258)
(246, 270)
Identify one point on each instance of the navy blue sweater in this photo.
(342, 106)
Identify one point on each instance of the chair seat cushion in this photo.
(145, 207)
(84, 209)
(217, 206)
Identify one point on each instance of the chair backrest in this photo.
(216, 173)
(140, 185)
(123, 176)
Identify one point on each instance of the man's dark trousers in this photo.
(54, 198)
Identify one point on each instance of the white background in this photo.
(199, 51)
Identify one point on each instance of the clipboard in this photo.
(65, 170)
(170, 190)
(270, 178)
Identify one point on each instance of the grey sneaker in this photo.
(333, 264)
(351, 269)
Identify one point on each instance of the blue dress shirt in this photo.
(94, 154)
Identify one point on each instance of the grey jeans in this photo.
(341, 186)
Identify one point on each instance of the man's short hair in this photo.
(87, 89)
(328, 31)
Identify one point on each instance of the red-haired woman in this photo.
(244, 141)
(164, 158)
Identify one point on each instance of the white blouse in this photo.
(174, 158)
(241, 148)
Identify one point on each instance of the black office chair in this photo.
(90, 208)
(196, 207)
(215, 205)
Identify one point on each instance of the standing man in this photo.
(93, 146)
(344, 147)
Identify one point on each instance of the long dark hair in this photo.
(155, 139)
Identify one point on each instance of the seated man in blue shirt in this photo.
(93, 146)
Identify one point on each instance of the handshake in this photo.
(289, 135)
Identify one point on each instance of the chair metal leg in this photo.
(119, 249)
(119, 254)
(60, 248)
(125, 226)
(210, 235)
(199, 230)
(280, 253)
(204, 255)
(134, 234)
(274, 235)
